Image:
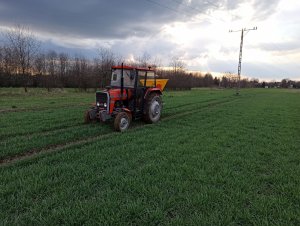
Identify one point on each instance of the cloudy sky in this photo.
(194, 31)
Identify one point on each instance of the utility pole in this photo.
(240, 56)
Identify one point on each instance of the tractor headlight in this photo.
(105, 105)
(98, 104)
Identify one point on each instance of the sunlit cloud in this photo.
(196, 32)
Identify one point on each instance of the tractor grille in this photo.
(101, 98)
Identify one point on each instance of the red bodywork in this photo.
(110, 102)
(115, 95)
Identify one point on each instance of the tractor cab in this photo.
(130, 77)
(133, 93)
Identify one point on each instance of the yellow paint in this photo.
(160, 83)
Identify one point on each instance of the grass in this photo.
(214, 159)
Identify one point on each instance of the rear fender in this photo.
(126, 110)
(152, 90)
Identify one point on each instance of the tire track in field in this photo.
(198, 106)
(57, 147)
(3, 111)
(192, 111)
(44, 121)
(189, 104)
(214, 100)
(66, 127)
(43, 132)
(36, 135)
(196, 102)
(51, 148)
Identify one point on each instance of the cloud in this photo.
(97, 19)
(196, 31)
(112, 19)
(264, 9)
(282, 47)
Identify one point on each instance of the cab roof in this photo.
(131, 68)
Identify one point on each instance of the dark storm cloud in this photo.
(109, 19)
(97, 19)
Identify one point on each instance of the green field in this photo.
(213, 159)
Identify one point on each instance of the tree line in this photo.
(23, 63)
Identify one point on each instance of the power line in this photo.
(240, 56)
(164, 6)
(184, 13)
(189, 6)
(201, 12)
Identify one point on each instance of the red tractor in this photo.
(134, 93)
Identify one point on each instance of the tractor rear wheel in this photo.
(153, 108)
(122, 121)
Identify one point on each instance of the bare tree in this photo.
(40, 64)
(23, 46)
(118, 59)
(64, 65)
(144, 60)
(52, 63)
(155, 63)
(208, 80)
(9, 66)
(80, 71)
(1, 59)
(106, 60)
(84, 69)
(177, 64)
(285, 83)
(52, 69)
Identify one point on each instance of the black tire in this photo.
(87, 118)
(122, 121)
(153, 108)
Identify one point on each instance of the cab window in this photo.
(114, 77)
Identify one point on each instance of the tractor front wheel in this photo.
(122, 121)
(153, 108)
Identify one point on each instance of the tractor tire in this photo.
(122, 121)
(87, 118)
(153, 108)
